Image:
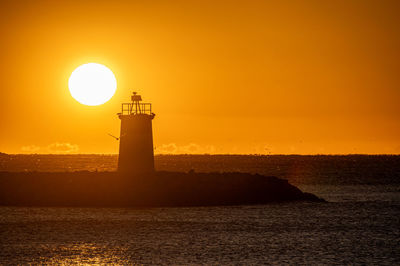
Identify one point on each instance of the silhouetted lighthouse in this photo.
(136, 154)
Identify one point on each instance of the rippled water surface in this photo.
(360, 224)
(340, 233)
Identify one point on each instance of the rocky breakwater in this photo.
(161, 189)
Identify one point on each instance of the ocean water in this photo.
(359, 225)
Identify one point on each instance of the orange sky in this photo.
(265, 77)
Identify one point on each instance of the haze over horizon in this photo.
(230, 77)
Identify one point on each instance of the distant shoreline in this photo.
(195, 154)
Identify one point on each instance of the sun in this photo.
(92, 84)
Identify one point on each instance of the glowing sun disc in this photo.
(92, 84)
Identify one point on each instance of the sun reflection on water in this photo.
(84, 253)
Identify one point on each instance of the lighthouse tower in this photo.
(136, 154)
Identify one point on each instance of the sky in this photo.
(232, 77)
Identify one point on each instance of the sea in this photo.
(359, 223)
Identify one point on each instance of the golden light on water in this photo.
(92, 84)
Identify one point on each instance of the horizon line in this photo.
(220, 154)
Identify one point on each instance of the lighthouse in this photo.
(136, 155)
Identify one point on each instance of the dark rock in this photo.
(160, 189)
